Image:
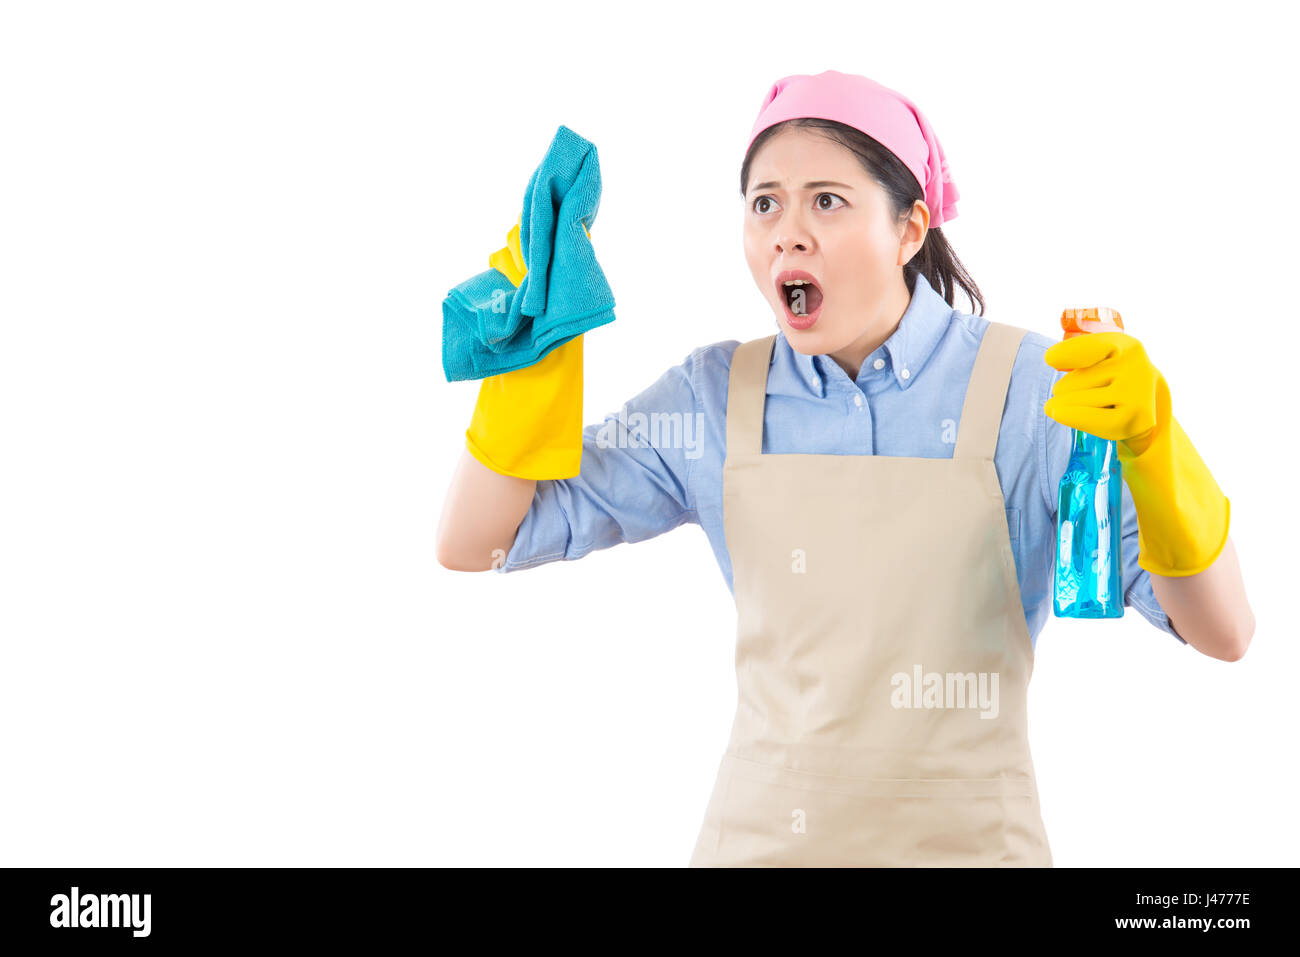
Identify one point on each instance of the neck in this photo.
(878, 330)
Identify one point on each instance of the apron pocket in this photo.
(775, 816)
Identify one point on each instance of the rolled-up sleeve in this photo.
(634, 480)
(1136, 579)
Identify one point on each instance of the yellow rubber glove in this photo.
(1114, 392)
(528, 422)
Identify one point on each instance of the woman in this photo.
(878, 483)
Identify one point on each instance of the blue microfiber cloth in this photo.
(489, 326)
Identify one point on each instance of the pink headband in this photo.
(886, 116)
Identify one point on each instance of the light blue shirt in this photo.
(656, 463)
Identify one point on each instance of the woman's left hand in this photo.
(1111, 390)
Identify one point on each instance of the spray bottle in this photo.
(1088, 514)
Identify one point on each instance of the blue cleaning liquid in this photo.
(1088, 565)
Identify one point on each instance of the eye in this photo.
(769, 201)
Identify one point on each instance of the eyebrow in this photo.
(816, 184)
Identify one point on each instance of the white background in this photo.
(226, 230)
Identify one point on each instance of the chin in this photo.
(805, 345)
(811, 341)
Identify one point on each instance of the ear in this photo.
(914, 232)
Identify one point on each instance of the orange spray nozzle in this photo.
(1077, 322)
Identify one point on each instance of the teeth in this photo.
(798, 282)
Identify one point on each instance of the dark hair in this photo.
(935, 259)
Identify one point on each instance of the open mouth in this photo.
(802, 298)
(802, 295)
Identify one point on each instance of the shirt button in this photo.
(905, 373)
(879, 363)
(857, 400)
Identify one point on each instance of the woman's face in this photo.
(811, 208)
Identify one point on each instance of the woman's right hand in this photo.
(527, 425)
(528, 422)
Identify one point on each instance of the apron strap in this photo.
(986, 394)
(981, 414)
(747, 394)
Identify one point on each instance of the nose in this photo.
(791, 235)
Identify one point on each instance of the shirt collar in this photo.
(906, 350)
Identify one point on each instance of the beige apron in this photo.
(882, 655)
